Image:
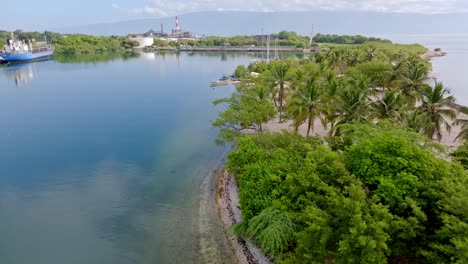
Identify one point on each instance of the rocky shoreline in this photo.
(227, 201)
(433, 54)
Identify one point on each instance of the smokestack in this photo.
(162, 29)
(177, 23)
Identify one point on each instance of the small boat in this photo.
(18, 51)
(225, 80)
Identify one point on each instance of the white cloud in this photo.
(173, 7)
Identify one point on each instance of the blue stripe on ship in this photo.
(25, 56)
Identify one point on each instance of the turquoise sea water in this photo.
(103, 162)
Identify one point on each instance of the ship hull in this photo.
(26, 56)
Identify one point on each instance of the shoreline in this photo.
(227, 203)
(433, 54)
(227, 48)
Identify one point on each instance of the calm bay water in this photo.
(104, 162)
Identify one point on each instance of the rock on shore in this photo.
(227, 200)
(433, 54)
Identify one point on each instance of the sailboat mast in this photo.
(268, 48)
(276, 48)
(311, 37)
(262, 43)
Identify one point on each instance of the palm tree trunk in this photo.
(281, 101)
(309, 126)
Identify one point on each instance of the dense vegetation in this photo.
(75, 44)
(37, 36)
(340, 39)
(283, 38)
(380, 190)
(79, 44)
(289, 38)
(383, 198)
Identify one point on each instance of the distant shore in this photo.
(231, 49)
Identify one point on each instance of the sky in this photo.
(49, 14)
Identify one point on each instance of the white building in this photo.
(143, 41)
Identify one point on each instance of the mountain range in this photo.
(229, 23)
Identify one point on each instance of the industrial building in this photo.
(147, 39)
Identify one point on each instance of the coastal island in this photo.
(354, 155)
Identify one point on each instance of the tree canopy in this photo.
(384, 198)
(338, 39)
(377, 188)
(79, 44)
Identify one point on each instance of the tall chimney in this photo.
(177, 23)
(162, 29)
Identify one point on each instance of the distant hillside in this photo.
(241, 23)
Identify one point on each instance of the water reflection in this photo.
(21, 74)
(95, 58)
(83, 213)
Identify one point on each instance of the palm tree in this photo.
(305, 105)
(279, 74)
(464, 125)
(297, 78)
(436, 108)
(353, 57)
(337, 60)
(259, 100)
(399, 55)
(370, 53)
(258, 93)
(464, 129)
(415, 120)
(389, 106)
(351, 108)
(414, 80)
(331, 88)
(396, 73)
